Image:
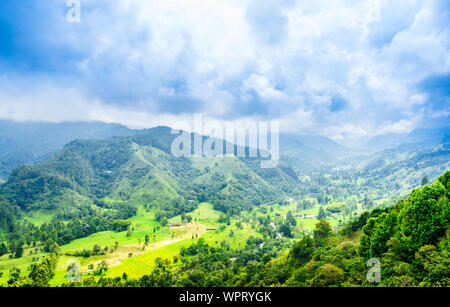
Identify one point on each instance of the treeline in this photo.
(39, 274)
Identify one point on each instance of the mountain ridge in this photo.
(140, 168)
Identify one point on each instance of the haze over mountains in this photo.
(34, 142)
(419, 136)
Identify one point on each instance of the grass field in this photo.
(204, 217)
(21, 263)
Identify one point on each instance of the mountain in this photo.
(419, 136)
(312, 152)
(402, 168)
(330, 169)
(146, 172)
(141, 169)
(33, 142)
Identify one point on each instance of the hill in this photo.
(140, 169)
(396, 171)
(313, 152)
(423, 136)
(33, 142)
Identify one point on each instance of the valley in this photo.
(129, 254)
(124, 207)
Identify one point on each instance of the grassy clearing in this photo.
(140, 265)
(40, 217)
(166, 242)
(6, 264)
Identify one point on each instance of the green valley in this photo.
(124, 212)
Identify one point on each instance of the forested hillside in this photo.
(102, 183)
(141, 169)
(33, 142)
(375, 173)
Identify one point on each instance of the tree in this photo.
(425, 217)
(328, 275)
(320, 199)
(55, 249)
(420, 220)
(436, 265)
(19, 252)
(120, 225)
(96, 250)
(48, 245)
(101, 267)
(291, 219)
(14, 275)
(425, 180)
(286, 231)
(3, 249)
(321, 215)
(322, 231)
(301, 252)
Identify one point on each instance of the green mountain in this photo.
(141, 169)
(398, 170)
(423, 136)
(329, 170)
(33, 142)
(313, 152)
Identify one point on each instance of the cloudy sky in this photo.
(346, 69)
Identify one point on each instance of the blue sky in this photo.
(347, 69)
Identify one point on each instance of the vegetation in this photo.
(133, 215)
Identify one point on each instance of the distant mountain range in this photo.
(420, 136)
(33, 142)
(313, 152)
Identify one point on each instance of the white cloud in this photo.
(233, 59)
(403, 126)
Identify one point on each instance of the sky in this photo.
(345, 69)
